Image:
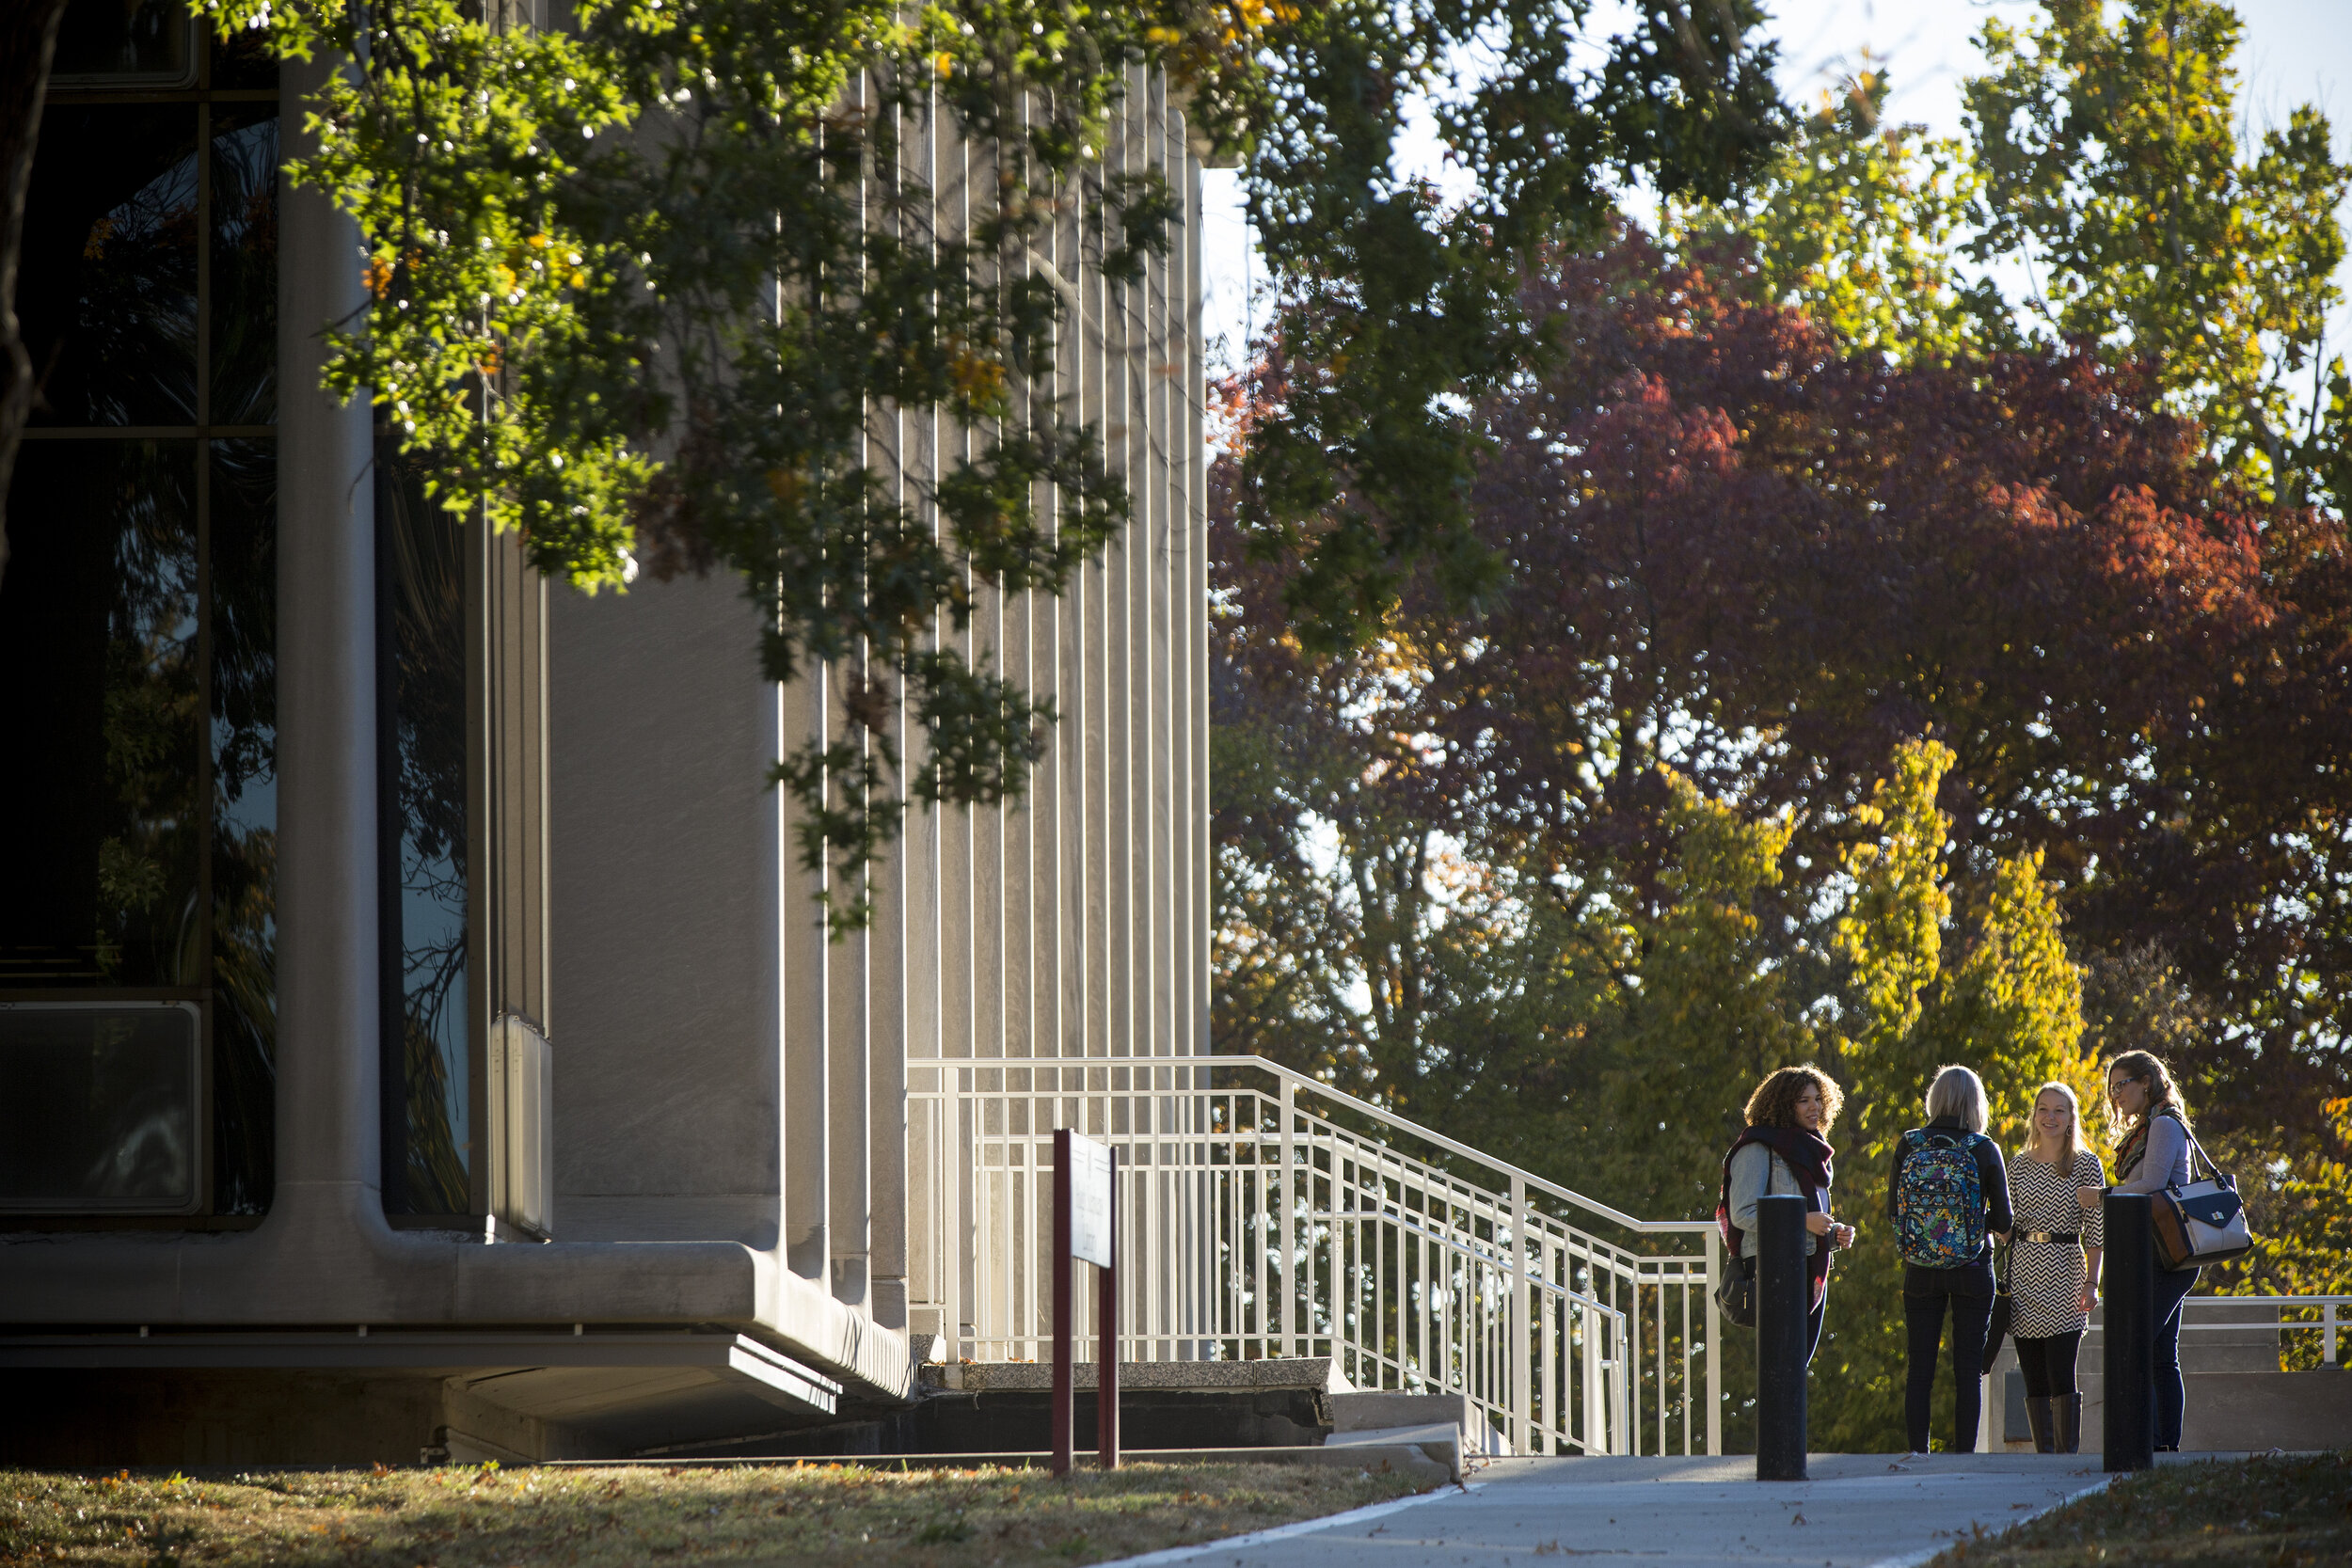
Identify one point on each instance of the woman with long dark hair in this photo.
(1785, 1151)
(2152, 1155)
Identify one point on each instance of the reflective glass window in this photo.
(106, 290)
(139, 628)
(103, 711)
(421, 630)
(242, 558)
(125, 43)
(244, 264)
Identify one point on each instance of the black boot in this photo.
(2042, 1415)
(2068, 1408)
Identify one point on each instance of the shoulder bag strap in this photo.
(2197, 1155)
(2196, 1149)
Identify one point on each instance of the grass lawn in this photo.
(2225, 1513)
(465, 1516)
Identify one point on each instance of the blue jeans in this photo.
(2172, 1288)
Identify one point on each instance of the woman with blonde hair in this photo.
(2053, 1265)
(1948, 1196)
(2152, 1155)
(1785, 1151)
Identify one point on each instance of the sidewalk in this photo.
(1858, 1511)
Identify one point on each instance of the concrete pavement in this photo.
(1858, 1511)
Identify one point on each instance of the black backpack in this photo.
(1735, 1293)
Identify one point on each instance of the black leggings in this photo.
(2048, 1364)
(1923, 1316)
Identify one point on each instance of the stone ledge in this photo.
(1411, 1459)
(1319, 1373)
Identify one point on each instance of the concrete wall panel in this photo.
(664, 917)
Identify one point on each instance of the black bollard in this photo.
(2130, 1292)
(1783, 1304)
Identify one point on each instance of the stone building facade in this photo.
(420, 1035)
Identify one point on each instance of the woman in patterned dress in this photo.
(2054, 1265)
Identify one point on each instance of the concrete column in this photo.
(804, 1018)
(852, 995)
(328, 1094)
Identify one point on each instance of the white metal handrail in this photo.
(1264, 1213)
(2329, 1323)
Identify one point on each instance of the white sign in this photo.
(1090, 1201)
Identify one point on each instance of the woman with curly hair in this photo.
(2152, 1155)
(1785, 1151)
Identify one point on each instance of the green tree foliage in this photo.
(2112, 169)
(1661, 815)
(1395, 309)
(2103, 181)
(2106, 169)
(2303, 1232)
(1856, 222)
(637, 285)
(2004, 999)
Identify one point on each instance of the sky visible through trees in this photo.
(2296, 50)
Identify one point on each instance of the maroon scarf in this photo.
(1810, 1160)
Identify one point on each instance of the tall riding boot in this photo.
(2042, 1415)
(2069, 1410)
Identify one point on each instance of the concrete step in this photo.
(1431, 1461)
(2226, 1412)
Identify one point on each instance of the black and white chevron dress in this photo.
(2046, 1279)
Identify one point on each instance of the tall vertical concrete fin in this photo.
(329, 1171)
(807, 1013)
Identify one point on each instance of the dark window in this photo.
(429, 1023)
(98, 619)
(107, 286)
(99, 1114)
(138, 630)
(141, 43)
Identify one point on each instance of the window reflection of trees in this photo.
(427, 603)
(141, 39)
(148, 930)
(244, 561)
(118, 307)
(244, 266)
(141, 607)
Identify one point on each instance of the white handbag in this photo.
(2202, 1222)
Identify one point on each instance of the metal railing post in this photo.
(2329, 1318)
(1630, 1429)
(1714, 1347)
(1286, 1255)
(1522, 1387)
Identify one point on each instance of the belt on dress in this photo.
(2050, 1236)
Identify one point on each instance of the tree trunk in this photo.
(28, 37)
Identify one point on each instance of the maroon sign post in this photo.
(1086, 1209)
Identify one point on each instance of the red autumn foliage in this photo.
(1734, 550)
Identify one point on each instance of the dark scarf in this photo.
(1810, 1160)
